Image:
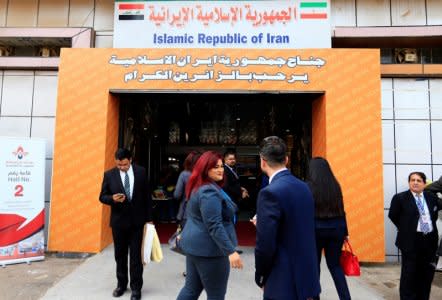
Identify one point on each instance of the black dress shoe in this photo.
(136, 295)
(118, 292)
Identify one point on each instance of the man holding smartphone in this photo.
(125, 190)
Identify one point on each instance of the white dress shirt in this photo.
(130, 173)
(273, 175)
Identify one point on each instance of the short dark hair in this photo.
(123, 153)
(229, 151)
(273, 150)
(420, 174)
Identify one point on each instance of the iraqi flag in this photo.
(313, 9)
(131, 11)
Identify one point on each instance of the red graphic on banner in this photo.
(10, 231)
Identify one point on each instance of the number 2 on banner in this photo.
(18, 190)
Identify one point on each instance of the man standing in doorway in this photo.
(285, 253)
(414, 212)
(232, 185)
(125, 190)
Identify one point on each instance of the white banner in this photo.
(277, 24)
(22, 177)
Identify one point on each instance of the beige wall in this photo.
(58, 13)
(386, 12)
(99, 14)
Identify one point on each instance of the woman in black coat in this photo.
(330, 223)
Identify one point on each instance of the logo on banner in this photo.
(132, 11)
(20, 152)
(313, 10)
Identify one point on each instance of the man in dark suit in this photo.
(232, 185)
(285, 253)
(125, 189)
(414, 212)
(436, 188)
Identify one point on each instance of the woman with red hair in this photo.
(209, 238)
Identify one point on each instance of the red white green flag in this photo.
(313, 9)
(131, 11)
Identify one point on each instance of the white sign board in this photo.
(277, 24)
(22, 178)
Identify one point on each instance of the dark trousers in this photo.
(330, 240)
(208, 273)
(128, 241)
(417, 270)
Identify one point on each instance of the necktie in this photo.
(425, 227)
(127, 186)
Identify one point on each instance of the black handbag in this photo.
(174, 242)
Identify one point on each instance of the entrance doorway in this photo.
(162, 128)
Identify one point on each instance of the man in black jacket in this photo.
(414, 212)
(232, 185)
(125, 190)
(436, 188)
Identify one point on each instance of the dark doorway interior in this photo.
(162, 128)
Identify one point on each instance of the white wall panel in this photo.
(104, 41)
(390, 236)
(17, 95)
(389, 184)
(436, 98)
(45, 96)
(18, 73)
(48, 180)
(387, 98)
(343, 13)
(411, 99)
(437, 171)
(388, 141)
(402, 172)
(15, 126)
(373, 13)
(413, 142)
(392, 259)
(46, 227)
(1, 91)
(434, 12)
(436, 135)
(44, 128)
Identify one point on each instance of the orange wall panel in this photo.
(346, 129)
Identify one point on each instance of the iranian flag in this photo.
(313, 9)
(131, 11)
